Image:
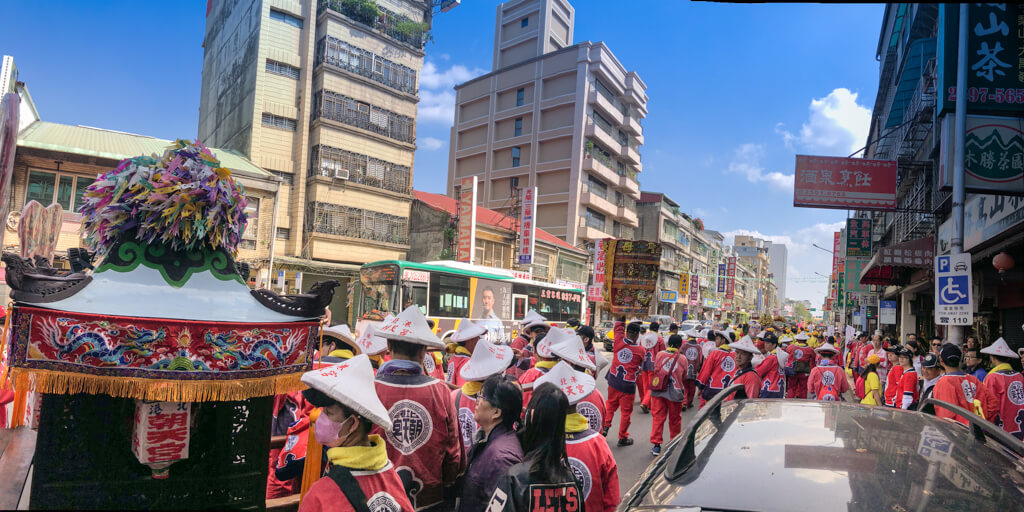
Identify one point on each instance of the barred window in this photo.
(247, 244)
(287, 178)
(285, 17)
(278, 122)
(280, 68)
(362, 169)
(341, 54)
(284, 233)
(340, 108)
(334, 219)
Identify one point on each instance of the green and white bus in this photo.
(448, 291)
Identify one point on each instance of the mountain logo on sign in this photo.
(990, 158)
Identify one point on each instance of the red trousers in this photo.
(661, 409)
(690, 386)
(796, 385)
(617, 399)
(643, 385)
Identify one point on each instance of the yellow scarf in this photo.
(576, 422)
(547, 365)
(455, 348)
(371, 457)
(376, 359)
(342, 353)
(472, 387)
(1001, 366)
(671, 350)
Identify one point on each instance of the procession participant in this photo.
(496, 446)
(545, 361)
(708, 345)
(892, 379)
(433, 360)
(1007, 389)
(290, 419)
(694, 360)
(568, 347)
(425, 443)
(586, 333)
(803, 360)
(372, 345)
(622, 377)
(360, 477)
(772, 369)
(544, 481)
(744, 351)
(858, 349)
(572, 323)
(872, 384)
(338, 344)
(463, 342)
(667, 392)
(974, 363)
(961, 389)
(906, 394)
(586, 451)
(827, 381)
(488, 359)
(719, 368)
(532, 325)
(673, 328)
(877, 347)
(652, 344)
(931, 371)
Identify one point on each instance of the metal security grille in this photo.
(338, 53)
(280, 68)
(333, 219)
(278, 122)
(340, 108)
(362, 169)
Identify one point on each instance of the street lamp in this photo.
(822, 248)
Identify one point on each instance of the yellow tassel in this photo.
(162, 390)
(21, 386)
(314, 456)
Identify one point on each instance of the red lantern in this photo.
(1002, 262)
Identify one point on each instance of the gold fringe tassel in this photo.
(162, 390)
(314, 456)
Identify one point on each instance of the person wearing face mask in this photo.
(545, 360)
(360, 476)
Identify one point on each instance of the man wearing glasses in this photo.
(973, 365)
(936, 343)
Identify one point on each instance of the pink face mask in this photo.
(327, 430)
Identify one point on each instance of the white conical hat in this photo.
(827, 346)
(745, 344)
(371, 344)
(691, 333)
(576, 385)
(801, 337)
(760, 335)
(532, 318)
(999, 348)
(543, 347)
(343, 333)
(600, 361)
(704, 333)
(410, 326)
(468, 330)
(351, 384)
(649, 340)
(567, 346)
(785, 339)
(487, 360)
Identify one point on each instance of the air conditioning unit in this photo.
(341, 174)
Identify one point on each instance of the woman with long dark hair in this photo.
(544, 480)
(496, 447)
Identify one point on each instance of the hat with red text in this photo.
(351, 384)
(576, 385)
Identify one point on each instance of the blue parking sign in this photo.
(953, 303)
(954, 290)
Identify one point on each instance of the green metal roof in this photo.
(85, 140)
(917, 54)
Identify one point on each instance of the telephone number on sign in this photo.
(983, 95)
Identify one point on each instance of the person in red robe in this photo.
(586, 450)
(570, 348)
(827, 381)
(425, 443)
(622, 377)
(958, 388)
(544, 361)
(668, 392)
(802, 357)
(488, 359)
(1006, 387)
(653, 344)
(718, 369)
(772, 368)
(360, 472)
(744, 351)
(908, 392)
(463, 342)
(532, 325)
(893, 377)
(694, 360)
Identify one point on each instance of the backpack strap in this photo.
(349, 487)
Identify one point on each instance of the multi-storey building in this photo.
(778, 261)
(323, 94)
(563, 117)
(753, 252)
(660, 220)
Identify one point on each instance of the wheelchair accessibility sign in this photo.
(953, 302)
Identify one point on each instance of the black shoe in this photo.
(604, 431)
(625, 441)
(656, 450)
(644, 409)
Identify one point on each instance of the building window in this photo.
(515, 157)
(340, 108)
(520, 96)
(252, 226)
(335, 219)
(519, 126)
(595, 220)
(285, 17)
(280, 68)
(287, 178)
(525, 22)
(64, 189)
(597, 187)
(284, 233)
(278, 122)
(362, 169)
(338, 53)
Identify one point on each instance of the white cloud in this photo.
(701, 212)
(433, 78)
(437, 97)
(437, 106)
(837, 125)
(429, 143)
(746, 161)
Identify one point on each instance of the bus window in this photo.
(449, 296)
(414, 294)
(379, 288)
(519, 306)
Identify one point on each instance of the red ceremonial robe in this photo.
(290, 418)
(455, 364)
(960, 389)
(465, 406)
(908, 392)
(892, 385)
(828, 382)
(1007, 388)
(718, 370)
(433, 363)
(593, 408)
(626, 360)
(773, 377)
(383, 490)
(425, 443)
(595, 469)
(524, 361)
(531, 375)
(751, 383)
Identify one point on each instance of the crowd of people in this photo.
(398, 419)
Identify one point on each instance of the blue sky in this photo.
(735, 92)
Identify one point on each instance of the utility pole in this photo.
(956, 332)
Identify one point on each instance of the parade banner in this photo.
(835, 255)
(632, 275)
(599, 261)
(858, 238)
(684, 284)
(730, 281)
(721, 278)
(467, 219)
(694, 290)
(527, 226)
(845, 183)
(993, 154)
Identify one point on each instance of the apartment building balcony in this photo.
(600, 167)
(627, 182)
(587, 232)
(392, 25)
(627, 213)
(634, 122)
(338, 222)
(591, 197)
(631, 151)
(601, 131)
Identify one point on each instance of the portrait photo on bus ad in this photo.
(492, 303)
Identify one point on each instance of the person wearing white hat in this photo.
(496, 446)
(461, 348)
(827, 380)
(653, 343)
(544, 359)
(425, 443)
(1007, 386)
(339, 344)
(802, 357)
(707, 343)
(488, 359)
(667, 392)
(745, 350)
(694, 361)
(719, 367)
(372, 345)
(586, 450)
(360, 473)
(772, 369)
(569, 348)
(531, 325)
(587, 334)
(622, 377)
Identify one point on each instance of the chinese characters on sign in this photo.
(844, 183)
(730, 282)
(986, 216)
(684, 284)
(467, 219)
(594, 293)
(599, 262)
(527, 227)
(995, 69)
(694, 290)
(835, 256)
(993, 154)
(721, 278)
(160, 431)
(858, 238)
(953, 304)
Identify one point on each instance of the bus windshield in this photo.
(379, 290)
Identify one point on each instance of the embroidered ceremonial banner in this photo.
(631, 275)
(158, 359)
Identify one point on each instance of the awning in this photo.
(881, 270)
